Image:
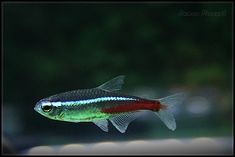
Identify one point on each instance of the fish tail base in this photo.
(164, 112)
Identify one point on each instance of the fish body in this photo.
(104, 103)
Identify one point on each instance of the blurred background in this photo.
(162, 48)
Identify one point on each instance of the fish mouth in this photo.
(37, 107)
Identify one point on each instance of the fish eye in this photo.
(46, 107)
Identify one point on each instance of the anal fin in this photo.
(122, 121)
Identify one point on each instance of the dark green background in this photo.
(50, 48)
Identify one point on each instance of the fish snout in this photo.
(38, 106)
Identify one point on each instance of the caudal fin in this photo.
(165, 114)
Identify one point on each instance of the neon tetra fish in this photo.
(103, 103)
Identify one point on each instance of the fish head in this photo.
(47, 109)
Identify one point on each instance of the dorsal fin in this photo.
(113, 84)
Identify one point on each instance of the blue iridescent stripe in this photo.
(95, 100)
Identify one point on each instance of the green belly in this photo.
(86, 115)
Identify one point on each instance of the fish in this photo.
(106, 102)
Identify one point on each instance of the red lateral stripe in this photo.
(138, 105)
